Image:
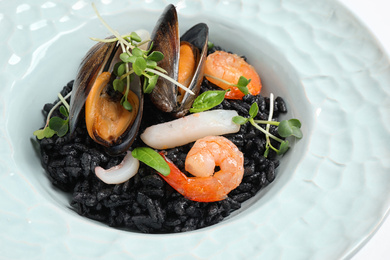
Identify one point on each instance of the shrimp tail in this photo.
(194, 188)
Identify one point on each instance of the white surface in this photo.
(375, 14)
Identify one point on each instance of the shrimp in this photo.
(229, 67)
(207, 186)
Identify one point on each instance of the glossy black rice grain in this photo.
(145, 202)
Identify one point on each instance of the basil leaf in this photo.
(208, 100)
(151, 158)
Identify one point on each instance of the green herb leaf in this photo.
(242, 85)
(151, 64)
(135, 37)
(240, 120)
(284, 146)
(126, 105)
(151, 158)
(150, 83)
(290, 127)
(64, 111)
(156, 56)
(210, 45)
(59, 125)
(125, 57)
(46, 132)
(137, 52)
(254, 109)
(139, 66)
(121, 69)
(118, 85)
(208, 100)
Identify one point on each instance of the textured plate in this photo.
(331, 191)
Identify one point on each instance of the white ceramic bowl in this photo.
(331, 188)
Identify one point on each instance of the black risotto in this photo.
(146, 203)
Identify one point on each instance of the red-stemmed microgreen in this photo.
(286, 128)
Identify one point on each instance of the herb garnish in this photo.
(212, 98)
(208, 100)
(142, 63)
(56, 125)
(151, 158)
(286, 128)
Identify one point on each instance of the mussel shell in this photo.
(197, 36)
(102, 57)
(127, 138)
(91, 66)
(165, 38)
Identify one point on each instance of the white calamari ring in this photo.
(119, 173)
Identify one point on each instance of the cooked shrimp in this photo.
(229, 67)
(204, 156)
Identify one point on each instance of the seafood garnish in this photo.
(222, 68)
(167, 73)
(119, 173)
(192, 46)
(201, 160)
(112, 115)
(190, 128)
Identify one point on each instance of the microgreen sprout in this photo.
(56, 125)
(135, 60)
(210, 45)
(286, 128)
(242, 83)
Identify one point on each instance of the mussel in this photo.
(165, 38)
(108, 122)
